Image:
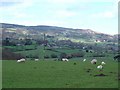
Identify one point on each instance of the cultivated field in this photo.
(59, 74)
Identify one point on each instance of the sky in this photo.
(98, 15)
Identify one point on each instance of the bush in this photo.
(117, 57)
(28, 49)
(46, 57)
(54, 56)
(69, 56)
(98, 55)
(63, 55)
(7, 54)
(81, 54)
(87, 50)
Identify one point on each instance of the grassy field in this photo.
(40, 52)
(58, 74)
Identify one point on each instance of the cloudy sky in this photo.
(98, 15)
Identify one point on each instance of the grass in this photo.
(57, 74)
(41, 52)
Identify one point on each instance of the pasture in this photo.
(59, 74)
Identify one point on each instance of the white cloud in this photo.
(15, 4)
(15, 8)
(75, 1)
(61, 1)
(19, 15)
(98, 0)
(111, 13)
(7, 1)
(107, 14)
(65, 13)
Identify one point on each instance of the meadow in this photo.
(59, 74)
(53, 73)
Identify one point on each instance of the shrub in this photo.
(54, 56)
(7, 54)
(69, 56)
(98, 55)
(63, 55)
(46, 57)
(80, 54)
(117, 57)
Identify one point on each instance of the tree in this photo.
(53, 56)
(87, 50)
(28, 42)
(62, 55)
(6, 42)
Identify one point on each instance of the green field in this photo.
(58, 74)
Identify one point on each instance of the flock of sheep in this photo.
(94, 61)
(23, 60)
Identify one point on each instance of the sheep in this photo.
(103, 63)
(18, 60)
(65, 59)
(21, 60)
(94, 61)
(84, 60)
(36, 59)
(100, 67)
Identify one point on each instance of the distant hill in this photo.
(60, 33)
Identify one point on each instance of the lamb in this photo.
(65, 59)
(94, 61)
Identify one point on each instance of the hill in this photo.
(60, 33)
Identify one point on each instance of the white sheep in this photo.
(65, 59)
(94, 61)
(36, 59)
(21, 60)
(103, 63)
(84, 60)
(100, 67)
(18, 60)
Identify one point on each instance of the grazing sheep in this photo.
(103, 63)
(84, 60)
(18, 60)
(65, 59)
(100, 67)
(36, 59)
(21, 60)
(94, 61)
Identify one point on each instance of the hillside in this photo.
(31, 40)
(59, 33)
